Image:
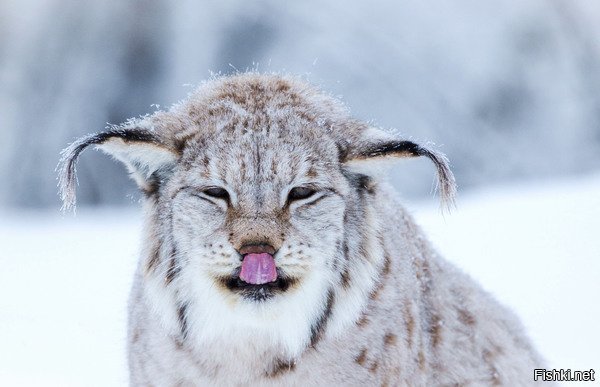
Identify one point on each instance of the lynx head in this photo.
(255, 211)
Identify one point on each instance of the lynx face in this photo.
(263, 218)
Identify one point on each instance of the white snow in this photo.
(64, 281)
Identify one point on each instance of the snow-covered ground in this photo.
(64, 280)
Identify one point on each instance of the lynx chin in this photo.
(274, 255)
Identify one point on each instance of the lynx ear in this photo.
(378, 144)
(146, 157)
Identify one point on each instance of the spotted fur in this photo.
(360, 298)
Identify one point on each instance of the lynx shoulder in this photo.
(273, 256)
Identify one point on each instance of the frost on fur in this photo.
(269, 259)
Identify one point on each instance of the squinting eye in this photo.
(216, 192)
(299, 193)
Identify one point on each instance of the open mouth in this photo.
(258, 278)
(259, 292)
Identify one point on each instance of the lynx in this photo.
(274, 254)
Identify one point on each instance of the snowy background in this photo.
(509, 89)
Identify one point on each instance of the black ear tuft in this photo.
(402, 148)
(139, 149)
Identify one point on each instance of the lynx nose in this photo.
(256, 248)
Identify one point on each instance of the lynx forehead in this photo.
(273, 255)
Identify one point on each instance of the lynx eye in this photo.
(217, 192)
(299, 193)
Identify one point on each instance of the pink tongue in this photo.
(258, 269)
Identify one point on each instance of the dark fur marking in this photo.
(366, 184)
(337, 259)
(154, 182)
(385, 271)
(345, 276)
(362, 321)
(421, 360)
(282, 86)
(435, 328)
(346, 249)
(129, 135)
(182, 316)
(360, 182)
(173, 269)
(258, 162)
(343, 153)
(389, 339)
(410, 325)
(374, 295)
(408, 148)
(280, 367)
(387, 265)
(466, 317)
(152, 185)
(180, 144)
(154, 259)
(316, 331)
(373, 367)
(362, 357)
